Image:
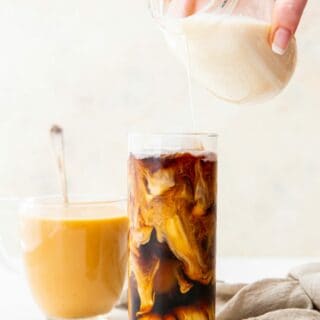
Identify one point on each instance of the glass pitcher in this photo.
(225, 46)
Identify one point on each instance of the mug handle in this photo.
(10, 252)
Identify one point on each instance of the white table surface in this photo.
(17, 304)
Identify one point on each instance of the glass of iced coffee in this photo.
(172, 212)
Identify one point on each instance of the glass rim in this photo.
(158, 16)
(177, 134)
(56, 201)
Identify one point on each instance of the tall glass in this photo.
(172, 212)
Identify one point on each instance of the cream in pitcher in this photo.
(226, 46)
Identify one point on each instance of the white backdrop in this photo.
(101, 68)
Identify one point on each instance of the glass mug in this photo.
(74, 256)
(172, 238)
(225, 46)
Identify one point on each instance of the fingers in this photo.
(185, 8)
(182, 8)
(286, 18)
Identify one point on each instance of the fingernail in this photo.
(281, 41)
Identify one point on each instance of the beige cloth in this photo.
(294, 298)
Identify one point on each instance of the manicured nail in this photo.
(281, 41)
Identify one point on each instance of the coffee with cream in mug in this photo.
(75, 257)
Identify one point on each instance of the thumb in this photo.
(286, 18)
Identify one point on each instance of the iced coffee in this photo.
(172, 209)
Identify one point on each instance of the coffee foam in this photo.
(162, 145)
(74, 211)
(143, 154)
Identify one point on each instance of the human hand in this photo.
(286, 18)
